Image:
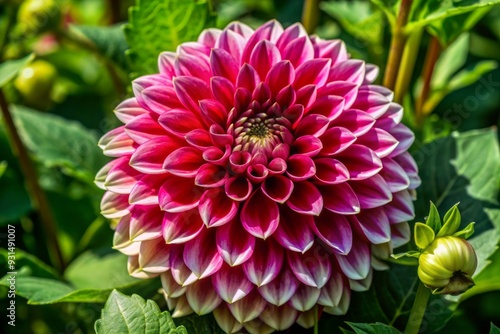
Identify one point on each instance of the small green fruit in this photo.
(37, 16)
(35, 83)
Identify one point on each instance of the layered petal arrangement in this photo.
(260, 174)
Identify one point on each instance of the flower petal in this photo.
(293, 232)
(216, 208)
(201, 255)
(231, 283)
(312, 268)
(178, 228)
(234, 251)
(179, 194)
(356, 264)
(260, 215)
(306, 199)
(265, 263)
(334, 230)
(201, 296)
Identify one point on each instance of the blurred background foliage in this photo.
(63, 101)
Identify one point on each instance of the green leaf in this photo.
(433, 220)
(29, 264)
(450, 61)
(57, 142)
(109, 41)
(196, 324)
(376, 328)
(494, 329)
(415, 254)
(452, 220)
(161, 25)
(466, 232)
(123, 314)
(3, 167)
(10, 68)
(424, 235)
(465, 168)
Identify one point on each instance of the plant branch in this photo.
(36, 193)
(431, 58)
(418, 309)
(310, 15)
(397, 45)
(407, 65)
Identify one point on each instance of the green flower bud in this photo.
(36, 16)
(35, 82)
(447, 265)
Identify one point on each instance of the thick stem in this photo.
(310, 15)
(431, 58)
(407, 65)
(36, 193)
(418, 309)
(397, 45)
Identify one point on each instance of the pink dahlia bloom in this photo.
(260, 173)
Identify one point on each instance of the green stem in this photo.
(310, 15)
(316, 320)
(86, 44)
(407, 65)
(418, 309)
(36, 193)
(431, 58)
(397, 45)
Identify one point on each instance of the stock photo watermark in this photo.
(11, 275)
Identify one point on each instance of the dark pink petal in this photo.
(260, 215)
(145, 191)
(128, 110)
(356, 264)
(145, 222)
(217, 156)
(333, 49)
(330, 171)
(234, 251)
(374, 104)
(202, 298)
(144, 82)
(394, 175)
(290, 34)
(401, 208)
(248, 308)
(281, 289)
(121, 178)
(277, 166)
(340, 198)
(344, 89)
(209, 37)
(194, 49)
(159, 99)
(233, 43)
(239, 161)
(306, 96)
(400, 234)
(216, 208)
(312, 268)
(154, 256)
(150, 156)
(314, 71)
(226, 320)
(380, 141)
(265, 263)
(332, 292)
(306, 199)
(313, 125)
(391, 118)
(178, 228)
(116, 143)
(278, 188)
(248, 78)
(300, 167)
(307, 146)
(211, 176)
(305, 298)
(405, 137)
(180, 121)
(223, 91)
(166, 61)
(180, 272)
(257, 173)
(190, 90)
(114, 205)
(213, 111)
(241, 29)
(231, 283)
(192, 65)
(336, 140)
(299, 51)
(293, 232)
(143, 128)
(263, 57)
(334, 230)
(374, 224)
(269, 31)
(280, 75)
(170, 286)
(178, 194)
(389, 94)
(356, 121)
(199, 138)
(201, 255)
(224, 65)
(406, 161)
(330, 106)
(279, 318)
(184, 162)
(238, 188)
(286, 97)
(219, 137)
(361, 162)
(351, 70)
(372, 192)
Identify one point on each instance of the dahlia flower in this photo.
(259, 174)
